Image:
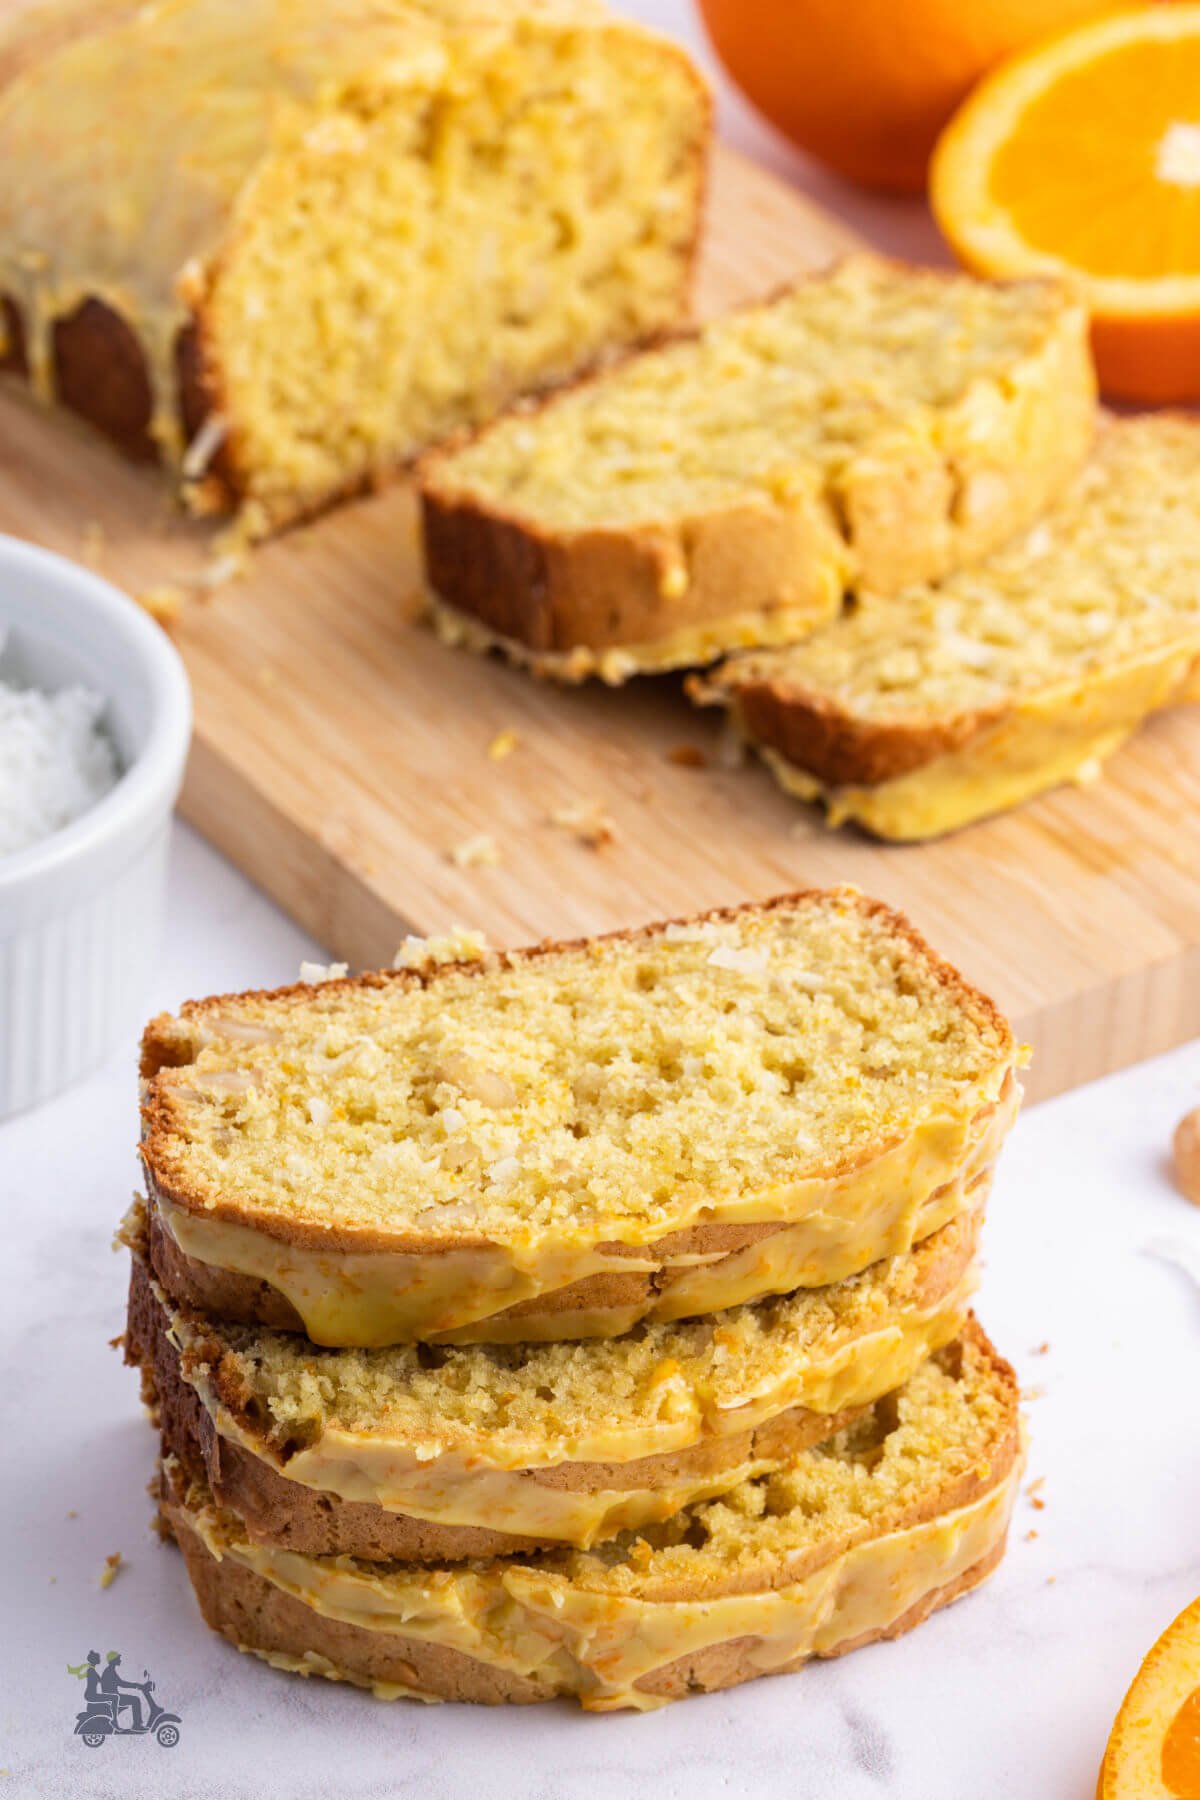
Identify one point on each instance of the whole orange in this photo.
(866, 85)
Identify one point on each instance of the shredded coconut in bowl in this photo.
(56, 761)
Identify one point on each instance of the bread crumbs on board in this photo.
(164, 603)
(479, 852)
(587, 821)
(502, 745)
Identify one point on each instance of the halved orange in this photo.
(1082, 157)
(1154, 1750)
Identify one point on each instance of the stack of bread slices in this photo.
(585, 1321)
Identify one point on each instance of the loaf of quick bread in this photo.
(872, 426)
(284, 244)
(563, 1141)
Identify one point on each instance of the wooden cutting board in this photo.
(341, 755)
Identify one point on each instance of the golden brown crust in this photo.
(252, 1613)
(167, 1181)
(550, 592)
(948, 1495)
(100, 374)
(609, 588)
(226, 1294)
(236, 1298)
(222, 1293)
(274, 1510)
(837, 747)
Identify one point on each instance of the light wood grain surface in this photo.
(341, 755)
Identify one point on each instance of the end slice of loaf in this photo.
(750, 1098)
(323, 235)
(420, 1456)
(873, 426)
(857, 1538)
(914, 716)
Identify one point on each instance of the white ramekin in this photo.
(81, 912)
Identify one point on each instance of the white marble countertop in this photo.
(1007, 1696)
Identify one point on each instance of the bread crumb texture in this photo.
(621, 1080)
(112, 1567)
(953, 1410)
(858, 361)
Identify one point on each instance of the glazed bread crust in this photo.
(925, 487)
(204, 1388)
(531, 1255)
(257, 1616)
(100, 374)
(598, 1305)
(282, 1513)
(884, 1529)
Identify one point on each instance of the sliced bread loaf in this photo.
(857, 1538)
(873, 426)
(914, 716)
(284, 244)
(653, 1124)
(423, 1455)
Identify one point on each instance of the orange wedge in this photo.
(1154, 1750)
(1082, 157)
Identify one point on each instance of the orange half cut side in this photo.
(1154, 1750)
(1082, 158)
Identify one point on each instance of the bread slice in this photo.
(320, 236)
(875, 425)
(654, 1124)
(420, 1455)
(858, 1538)
(915, 716)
